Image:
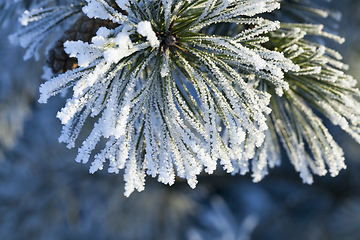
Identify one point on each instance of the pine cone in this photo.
(84, 29)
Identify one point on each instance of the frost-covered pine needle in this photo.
(320, 84)
(41, 22)
(175, 94)
(161, 88)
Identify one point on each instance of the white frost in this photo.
(145, 29)
(122, 4)
(84, 52)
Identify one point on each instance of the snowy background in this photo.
(45, 194)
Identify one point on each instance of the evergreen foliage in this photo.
(181, 86)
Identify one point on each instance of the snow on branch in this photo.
(174, 94)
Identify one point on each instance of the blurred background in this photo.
(45, 194)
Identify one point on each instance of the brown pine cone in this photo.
(84, 29)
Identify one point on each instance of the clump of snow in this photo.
(144, 28)
(123, 40)
(24, 19)
(122, 4)
(84, 52)
(101, 35)
(95, 9)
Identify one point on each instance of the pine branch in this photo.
(179, 86)
(152, 65)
